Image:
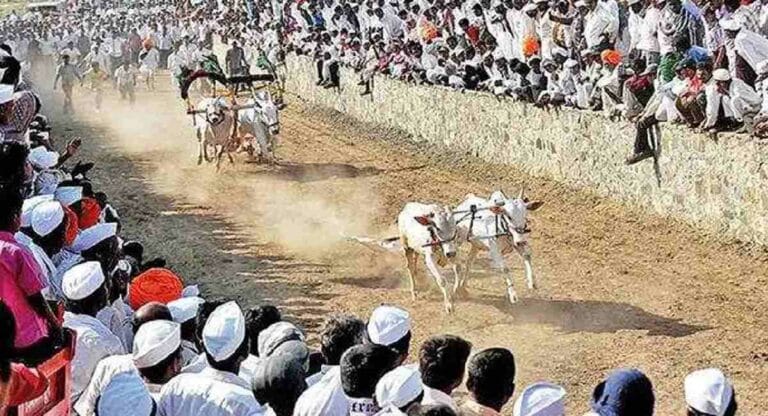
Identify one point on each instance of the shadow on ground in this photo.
(598, 317)
(314, 172)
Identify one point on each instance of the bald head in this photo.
(152, 311)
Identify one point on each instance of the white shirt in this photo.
(53, 291)
(105, 371)
(210, 393)
(324, 398)
(599, 22)
(117, 317)
(435, 397)
(315, 378)
(151, 60)
(752, 47)
(165, 42)
(248, 368)
(94, 342)
(188, 352)
(125, 77)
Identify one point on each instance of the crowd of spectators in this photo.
(697, 63)
(147, 344)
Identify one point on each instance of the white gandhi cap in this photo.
(29, 206)
(125, 394)
(541, 399)
(68, 195)
(46, 217)
(89, 237)
(388, 324)
(41, 158)
(154, 342)
(224, 332)
(82, 280)
(399, 386)
(721, 74)
(708, 391)
(184, 309)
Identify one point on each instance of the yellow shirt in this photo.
(95, 79)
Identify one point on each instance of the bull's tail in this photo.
(389, 245)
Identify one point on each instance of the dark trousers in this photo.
(643, 134)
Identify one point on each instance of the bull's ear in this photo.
(534, 205)
(421, 219)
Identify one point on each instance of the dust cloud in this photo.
(285, 204)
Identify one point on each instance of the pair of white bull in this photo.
(258, 117)
(498, 225)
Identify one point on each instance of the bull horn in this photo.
(522, 192)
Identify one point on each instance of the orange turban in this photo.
(154, 285)
(90, 211)
(72, 229)
(148, 43)
(611, 57)
(530, 46)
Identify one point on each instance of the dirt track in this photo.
(616, 288)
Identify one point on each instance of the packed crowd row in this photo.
(698, 63)
(146, 341)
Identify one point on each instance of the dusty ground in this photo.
(617, 288)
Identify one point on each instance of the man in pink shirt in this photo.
(21, 283)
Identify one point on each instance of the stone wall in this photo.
(717, 186)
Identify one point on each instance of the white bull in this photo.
(262, 121)
(500, 226)
(213, 123)
(429, 230)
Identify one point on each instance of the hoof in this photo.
(532, 286)
(512, 296)
(413, 296)
(449, 308)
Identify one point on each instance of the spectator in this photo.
(490, 381)
(730, 103)
(278, 382)
(361, 368)
(326, 395)
(156, 358)
(216, 390)
(184, 311)
(709, 393)
(541, 399)
(624, 393)
(442, 360)
(37, 331)
(85, 289)
(399, 390)
(390, 326)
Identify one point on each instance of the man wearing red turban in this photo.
(154, 285)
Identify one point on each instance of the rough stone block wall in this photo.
(717, 186)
